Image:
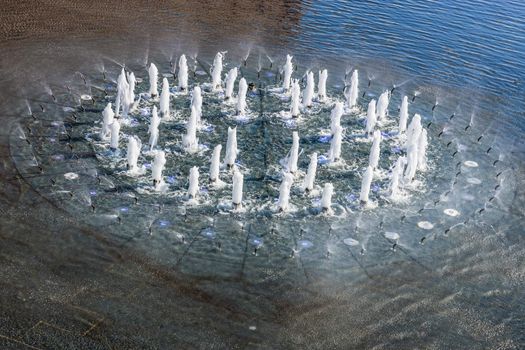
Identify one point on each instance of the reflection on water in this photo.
(71, 283)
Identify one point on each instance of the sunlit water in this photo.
(444, 269)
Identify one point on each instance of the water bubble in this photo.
(451, 212)
(392, 235)
(164, 223)
(470, 164)
(425, 225)
(86, 97)
(473, 180)
(209, 233)
(57, 157)
(256, 241)
(71, 176)
(305, 244)
(92, 193)
(123, 209)
(350, 242)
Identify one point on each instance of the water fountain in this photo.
(231, 148)
(308, 93)
(334, 154)
(403, 115)
(371, 118)
(115, 134)
(121, 100)
(241, 97)
(296, 99)
(397, 172)
(326, 197)
(335, 116)
(165, 99)
(422, 150)
(193, 187)
(353, 91)
(309, 179)
(321, 85)
(413, 131)
(293, 155)
(382, 106)
(107, 120)
(216, 72)
(154, 128)
(196, 102)
(284, 192)
(373, 159)
(183, 73)
(132, 81)
(365, 184)
(133, 153)
(190, 141)
(287, 72)
(157, 168)
(153, 80)
(238, 180)
(215, 166)
(230, 82)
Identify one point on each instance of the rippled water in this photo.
(74, 278)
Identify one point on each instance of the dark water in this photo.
(71, 280)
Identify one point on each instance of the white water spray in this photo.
(335, 116)
(403, 115)
(115, 134)
(231, 147)
(287, 72)
(154, 128)
(241, 97)
(216, 72)
(308, 93)
(382, 106)
(334, 154)
(157, 168)
(293, 155)
(238, 180)
(196, 102)
(321, 85)
(371, 118)
(107, 119)
(165, 99)
(215, 164)
(309, 179)
(365, 184)
(422, 150)
(153, 79)
(284, 192)
(373, 159)
(193, 187)
(296, 99)
(134, 146)
(326, 197)
(351, 97)
(397, 172)
(230, 82)
(190, 141)
(183, 73)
